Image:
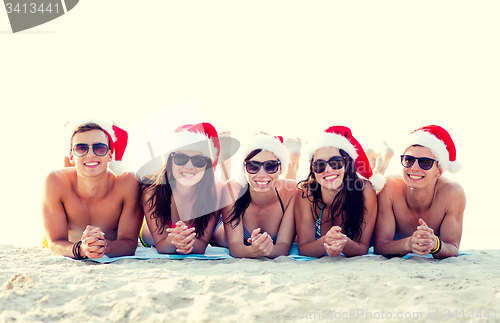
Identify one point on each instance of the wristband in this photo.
(438, 247)
(76, 251)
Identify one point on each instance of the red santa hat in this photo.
(269, 143)
(340, 137)
(204, 138)
(439, 141)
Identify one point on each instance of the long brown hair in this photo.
(160, 187)
(348, 204)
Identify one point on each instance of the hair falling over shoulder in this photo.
(347, 204)
(159, 187)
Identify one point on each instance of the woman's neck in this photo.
(263, 198)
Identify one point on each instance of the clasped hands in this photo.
(94, 244)
(261, 243)
(182, 237)
(423, 240)
(335, 241)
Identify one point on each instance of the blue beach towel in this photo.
(214, 253)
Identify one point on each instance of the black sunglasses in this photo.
(100, 149)
(182, 159)
(423, 162)
(270, 166)
(336, 162)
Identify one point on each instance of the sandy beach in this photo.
(36, 287)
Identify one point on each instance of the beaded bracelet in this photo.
(76, 251)
(438, 247)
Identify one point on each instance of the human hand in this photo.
(94, 244)
(182, 237)
(335, 241)
(423, 240)
(261, 243)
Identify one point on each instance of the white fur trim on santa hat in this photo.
(116, 167)
(436, 146)
(331, 140)
(187, 138)
(378, 182)
(271, 144)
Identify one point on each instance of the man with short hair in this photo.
(87, 210)
(422, 212)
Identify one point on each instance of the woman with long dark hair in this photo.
(335, 209)
(260, 223)
(180, 201)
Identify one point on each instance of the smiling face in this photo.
(188, 174)
(262, 181)
(330, 179)
(90, 164)
(415, 176)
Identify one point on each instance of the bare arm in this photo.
(353, 248)
(162, 240)
(306, 230)
(451, 228)
(55, 221)
(130, 220)
(385, 227)
(286, 232)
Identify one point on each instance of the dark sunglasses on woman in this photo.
(100, 149)
(198, 161)
(336, 162)
(423, 162)
(270, 166)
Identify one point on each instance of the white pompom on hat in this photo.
(439, 141)
(340, 137)
(118, 139)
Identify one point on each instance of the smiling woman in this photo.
(260, 223)
(180, 201)
(336, 210)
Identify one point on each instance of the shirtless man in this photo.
(87, 210)
(422, 212)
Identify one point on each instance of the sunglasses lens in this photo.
(252, 167)
(336, 162)
(181, 159)
(407, 161)
(80, 149)
(199, 161)
(319, 166)
(271, 166)
(100, 149)
(425, 164)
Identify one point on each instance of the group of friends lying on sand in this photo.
(344, 206)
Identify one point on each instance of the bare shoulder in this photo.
(368, 191)
(126, 182)
(287, 187)
(393, 185)
(60, 179)
(450, 189)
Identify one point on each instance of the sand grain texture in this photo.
(37, 288)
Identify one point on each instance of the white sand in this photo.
(37, 288)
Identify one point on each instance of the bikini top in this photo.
(247, 234)
(317, 224)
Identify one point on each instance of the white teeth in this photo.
(415, 177)
(331, 177)
(92, 164)
(262, 183)
(187, 174)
